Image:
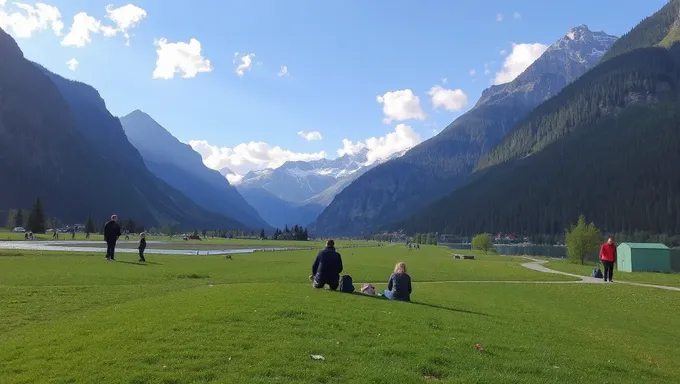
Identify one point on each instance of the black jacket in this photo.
(111, 231)
(328, 265)
(142, 244)
(400, 285)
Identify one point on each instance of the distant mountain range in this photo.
(403, 186)
(58, 142)
(181, 167)
(607, 147)
(297, 191)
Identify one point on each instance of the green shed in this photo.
(643, 257)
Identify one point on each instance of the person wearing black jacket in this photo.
(327, 267)
(111, 235)
(142, 247)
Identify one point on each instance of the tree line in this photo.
(425, 238)
(297, 233)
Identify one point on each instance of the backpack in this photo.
(346, 284)
(597, 273)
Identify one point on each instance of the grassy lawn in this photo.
(670, 279)
(73, 318)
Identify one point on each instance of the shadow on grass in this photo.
(359, 294)
(132, 263)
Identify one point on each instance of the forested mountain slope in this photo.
(46, 151)
(607, 146)
(182, 168)
(400, 187)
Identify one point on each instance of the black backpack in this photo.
(346, 284)
(597, 273)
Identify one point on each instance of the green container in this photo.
(643, 257)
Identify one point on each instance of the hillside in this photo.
(278, 212)
(182, 168)
(403, 186)
(47, 151)
(651, 31)
(606, 147)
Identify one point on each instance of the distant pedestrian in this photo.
(327, 267)
(73, 235)
(142, 247)
(111, 235)
(608, 258)
(87, 236)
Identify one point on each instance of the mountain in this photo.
(58, 142)
(279, 213)
(182, 168)
(607, 147)
(298, 191)
(297, 181)
(429, 171)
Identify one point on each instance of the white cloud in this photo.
(499, 17)
(79, 34)
(444, 80)
(283, 71)
(247, 157)
(311, 136)
(449, 99)
(521, 57)
(72, 64)
(245, 64)
(179, 58)
(504, 52)
(403, 138)
(255, 156)
(517, 15)
(401, 105)
(125, 18)
(28, 19)
(487, 71)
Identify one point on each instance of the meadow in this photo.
(74, 318)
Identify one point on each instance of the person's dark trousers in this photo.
(608, 270)
(332, 283)
(141, 256)
(110, 250)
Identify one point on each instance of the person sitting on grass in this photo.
(142, 247)
(399, 285)
(327, 268)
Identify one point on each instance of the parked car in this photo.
(19, 230)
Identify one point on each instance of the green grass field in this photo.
(73, 318)
(669, 279)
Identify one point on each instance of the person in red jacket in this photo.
(608, 258)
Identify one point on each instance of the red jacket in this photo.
(608, 252)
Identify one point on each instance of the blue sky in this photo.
(340, 56)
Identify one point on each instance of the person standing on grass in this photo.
(327, 268)
(111, 235)
(142, 247)
(399, 285)
(608, 258)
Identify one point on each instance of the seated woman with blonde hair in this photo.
(399, 285)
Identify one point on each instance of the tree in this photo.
(89, 225)
(262, 235)
(19, 218)
(482, 242)
(36, 219)
(11, 218)
(581, 240)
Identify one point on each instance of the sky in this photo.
(252, 84)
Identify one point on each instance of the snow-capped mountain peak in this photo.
(299, 181)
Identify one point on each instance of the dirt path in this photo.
(538, 265)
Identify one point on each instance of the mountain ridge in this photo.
(399, 188)
(181, 167)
